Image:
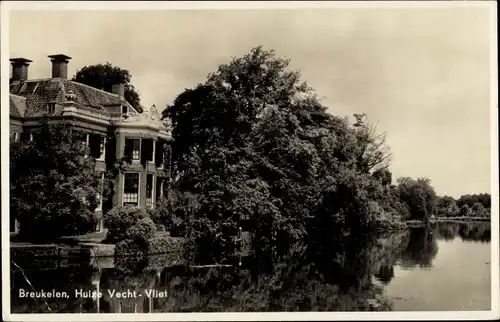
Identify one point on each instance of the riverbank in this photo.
(420, 223)
(85, 247)
(83, 251)
(461, 219)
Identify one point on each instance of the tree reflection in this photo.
(307, 278)
(447, 231)
(421, 249)
(327, 275)
(467, 231)
(385, 274)
(388, 251)
(477, 232)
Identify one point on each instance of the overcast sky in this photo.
(423, 74)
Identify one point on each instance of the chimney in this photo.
(20, 68)
(118, 89)
(59, 65)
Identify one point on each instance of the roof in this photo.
(150, 119)
(17, 105)
(37, 93)
(29, 99)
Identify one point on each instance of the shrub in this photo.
(128, 247)
(172, 213)
(120, 219)
(158, 215)
(142, 231)
(168, 244)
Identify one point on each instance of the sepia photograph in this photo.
(235, 160)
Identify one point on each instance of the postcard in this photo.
(278, 160)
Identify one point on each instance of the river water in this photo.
(442, 268)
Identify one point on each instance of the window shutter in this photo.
(150, 150)
(158, 188)
(110, 155)
(167, 161)
(159, 153)
(144, 146)
(128, 148)
(147, 149)
(95, 144)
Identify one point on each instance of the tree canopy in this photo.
(258, 148)
(53, 185)
(446, 206)
(419, 196)
(474, 205)
(104, 76)
(470, 199)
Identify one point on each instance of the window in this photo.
(149, 190)
(82, 139)
(102, 147)
(86, 143)
(98, 225)
(97, 146)
(159, 188)
(124, 109)
(14, 225)
(31, 136)
(133, 148)
(147, 150)
(15, 136)
(100, 194)
(167, 157)
(159, 154)
(51, 108)
(163, 155)
(131, 189)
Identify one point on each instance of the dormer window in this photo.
(51, 108)
(124, 109)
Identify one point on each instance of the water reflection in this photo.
(341, 276)
(421, 249)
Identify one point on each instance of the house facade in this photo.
(104, 121)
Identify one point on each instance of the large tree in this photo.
(419, 196)
(103, 76)
(259, 149)
(446, 206)
(53, 185)
(373, 153)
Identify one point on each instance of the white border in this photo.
(495, 197)
(7, 6)
(232, 5)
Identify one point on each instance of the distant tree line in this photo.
(469, 205)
